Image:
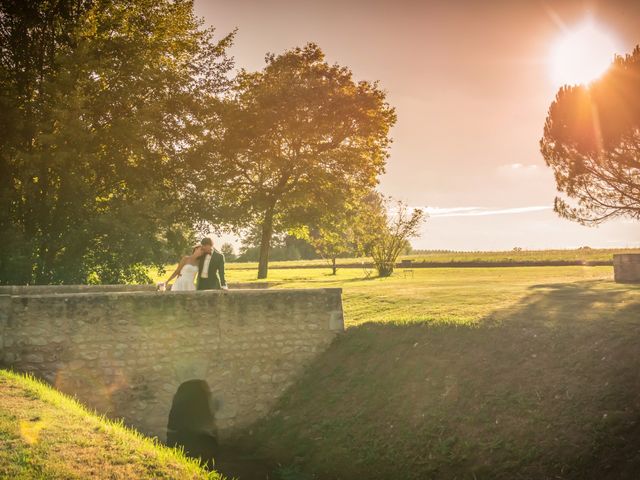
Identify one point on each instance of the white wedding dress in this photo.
(185, 281)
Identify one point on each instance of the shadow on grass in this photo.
(357, 279)
(327, 281)
(588, 286)
(549, 388)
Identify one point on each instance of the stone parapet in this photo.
(125, 353)
(626, 267)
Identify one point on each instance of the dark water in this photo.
(191, 425)
(233, 463)
(229, 461)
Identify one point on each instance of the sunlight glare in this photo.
(30, 430)
(581, 55)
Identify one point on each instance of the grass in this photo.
(463, 296)
(452, 373)
(515, 373)
(569, 255)
(584, 255)
(47, 435)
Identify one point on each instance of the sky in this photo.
(471, 82)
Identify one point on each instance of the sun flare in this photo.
(581, 54)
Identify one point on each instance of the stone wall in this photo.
(45, 289)
(126, 353)
(626, 267)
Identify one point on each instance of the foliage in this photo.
(300, 138)
(334, 234)
(384, 230)
(331, 242)
(102, 103)
(228, 251)
(407, 249)
(592, 142)
(284, 247)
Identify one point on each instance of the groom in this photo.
(211, 267)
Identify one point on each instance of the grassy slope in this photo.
(44, 434)
(475, 373)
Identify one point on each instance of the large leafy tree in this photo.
(300, 138)
(592, 142)
(102, 103)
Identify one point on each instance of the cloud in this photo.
(437, 212)
(518, 170)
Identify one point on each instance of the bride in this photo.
(186, 271)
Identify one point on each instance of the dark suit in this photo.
(216, 269)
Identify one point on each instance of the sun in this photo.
(581, 54)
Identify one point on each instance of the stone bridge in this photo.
(125, 350)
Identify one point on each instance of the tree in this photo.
(592, 142)
(228, 251)
(102, 103)
(284, 246)
(384, 229)
(300, 138)
(331, 240)
(333, 235)
(407, 249)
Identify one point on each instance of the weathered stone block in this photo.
(33, 358)
(626, 267)
(336, 320)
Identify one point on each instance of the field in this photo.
(46, 435)
(472, 373)
(431, 258)
(510, 256)
(445, 295)
(442, 373)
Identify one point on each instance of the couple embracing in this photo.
(205, 262)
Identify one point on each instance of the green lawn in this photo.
(578, 255)
(449, 295)
(478, 373)
(434, 295)
(47, 435)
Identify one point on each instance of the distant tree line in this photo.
(283, 247)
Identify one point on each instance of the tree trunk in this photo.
(385, 269)
(265, 244)
(333, 265)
